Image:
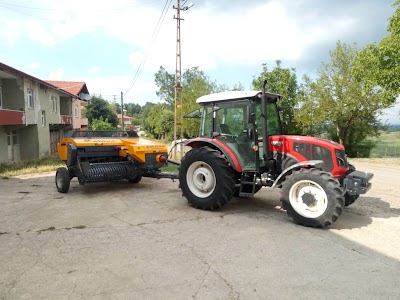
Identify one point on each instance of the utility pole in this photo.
(122, 113)
(178, 75)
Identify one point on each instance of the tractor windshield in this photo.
(273, 121)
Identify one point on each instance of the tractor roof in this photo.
(233, 95)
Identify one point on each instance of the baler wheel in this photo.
(63, 179)
(136, 180)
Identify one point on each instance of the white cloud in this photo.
(95, 69)
(213, 38)
(11, 31)
(40, 34)
(34, 65)
(392, 115)
(110, 86)
(56, 74)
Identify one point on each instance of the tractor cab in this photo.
(234, 120)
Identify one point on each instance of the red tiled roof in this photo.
(73, 87)
(125, 117)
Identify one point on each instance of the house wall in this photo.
(33, 136)
(3, 144)
(13, 94)
(32, 115)
(29, 142)
(76, 119)
(53, 117)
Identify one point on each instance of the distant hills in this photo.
(394, 127)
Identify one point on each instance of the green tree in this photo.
(101, 124)
(160, 120)
(132, 109)
(195, 83)
(166, 86)
(282, 81)
(339, 106)
(98, 107)
(378, 65)
(146, 109)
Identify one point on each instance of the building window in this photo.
(43, 118)
(1, 98)
(76, 111)
(12, 138)
(31, 101)
(53, 103)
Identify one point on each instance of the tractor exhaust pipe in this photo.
(268, 159)
(266, 153)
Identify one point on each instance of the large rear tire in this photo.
(206, 179)
(63, 179)
(312, 197)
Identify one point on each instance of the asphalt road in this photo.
(123, 241)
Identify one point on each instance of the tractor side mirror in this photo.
(250, 133)
(251, 114)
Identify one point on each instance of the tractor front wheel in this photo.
(206, 179)
(63, 179)
(350, 199)
(312, 197)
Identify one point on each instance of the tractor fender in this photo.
(304, 164)
(217, 145)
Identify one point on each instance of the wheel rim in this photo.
(308, 199)
(59, 180)
(201, 179)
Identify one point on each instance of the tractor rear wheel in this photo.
(312, 197)
(206, 179)
(63, 179)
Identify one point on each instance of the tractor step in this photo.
(247, 188)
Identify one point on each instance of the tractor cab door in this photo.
(232, 127)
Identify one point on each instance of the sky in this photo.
(103, 43)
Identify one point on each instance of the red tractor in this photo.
(230, 158)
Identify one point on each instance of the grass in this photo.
(47, 164)
(388, 145)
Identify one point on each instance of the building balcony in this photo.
(12, 117)
(67, 120)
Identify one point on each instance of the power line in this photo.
(154, 36)
(31, 10)
(106, 9)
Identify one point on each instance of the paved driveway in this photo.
(123, 241)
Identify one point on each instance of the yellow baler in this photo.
(96, 156)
